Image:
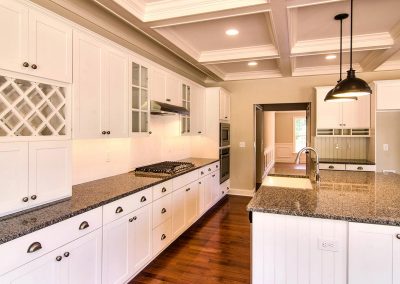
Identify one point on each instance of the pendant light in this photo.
(329, 97)
(351, 86)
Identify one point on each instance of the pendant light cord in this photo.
(340, 60)
(351, 34)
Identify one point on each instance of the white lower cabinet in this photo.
(76, 262)
(178, 214)
(291, 249)
(34, 173)
(126, 245)
(374, 254)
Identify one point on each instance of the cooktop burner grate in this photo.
(163, 169)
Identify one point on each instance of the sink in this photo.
(299, 183)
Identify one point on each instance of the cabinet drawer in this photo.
(224, 187)
(209, 169)
(185, 179)
(48, 239)
(162, 189)
(332, 167)
(162, 209)
(361, 168)
(123, 206)
(162, 236)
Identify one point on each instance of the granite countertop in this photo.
(346, 161)
(365, 197)
(85, 197)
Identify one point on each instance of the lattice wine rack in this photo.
(31, 109)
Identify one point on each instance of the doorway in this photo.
(281, 130)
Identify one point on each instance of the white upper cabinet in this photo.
(34, 173)
(100, 89)
(173, 90)
(14, 176)
(139, 98)
(50, 47)
(14, 19)
(186, 122)
(224, 105)
(346, 118)
(197, 112)
(37, 44)
(387, 95)
(158, 80)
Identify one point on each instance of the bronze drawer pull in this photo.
(84, 225)
(34, 247)
(331, 167)
(163, 189)
(119, 210)
(143, 199)
(360, 168)
(163, 237)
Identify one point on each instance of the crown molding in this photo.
(239, 54)
(305, 3)
(136, 8)
(360, 42)
(216, 70)
(252, 75)
(324, 70)
(167, 9)
(389, 65)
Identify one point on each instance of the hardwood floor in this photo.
(214, 250)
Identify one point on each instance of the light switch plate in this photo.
(242, 144)
(385, 147)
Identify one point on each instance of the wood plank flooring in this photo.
(214, 250)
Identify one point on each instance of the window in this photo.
(300, 133)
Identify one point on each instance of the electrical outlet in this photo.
(242, 144)
(328, 245)
(385, 147)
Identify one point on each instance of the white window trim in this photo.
(294, 130)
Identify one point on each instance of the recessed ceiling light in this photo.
(252, 63)
(330, 56)
(232, 32)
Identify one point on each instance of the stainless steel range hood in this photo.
(159, 108)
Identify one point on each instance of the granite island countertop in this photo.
(346, 161)
(85, 197)
(365, 197)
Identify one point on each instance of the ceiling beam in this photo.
(377, 57)
(281, 34)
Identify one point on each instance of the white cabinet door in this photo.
(356, 114)
(173, 90)
(197, 112)
(374, 254)
(178, 211)
(50, 47)
(224, 105)
(14, 32)
(88, 84)
(202, 192)
(13, 176)
(387, 95)
(329, 114)
(49, 171)
(191, 203)
(115, 93)
(83, 259)
(215, 186)
(116, 248)
(140, 240)
(158, 85)
(208, 192)
(44, 270)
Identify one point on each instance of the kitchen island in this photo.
(344, 230)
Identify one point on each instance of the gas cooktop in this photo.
(163, 169)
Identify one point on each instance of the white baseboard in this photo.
(241, 192)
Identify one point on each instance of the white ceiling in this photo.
(285, 37)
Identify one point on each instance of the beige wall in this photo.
(388, 132)
(280, 90)
(269, 129)
(284, 126)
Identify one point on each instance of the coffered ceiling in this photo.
(279, 37)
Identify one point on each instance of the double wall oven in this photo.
(224, 151)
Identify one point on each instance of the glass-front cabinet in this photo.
(185, 119)
(140, 104)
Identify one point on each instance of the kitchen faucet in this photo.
(297, 161)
